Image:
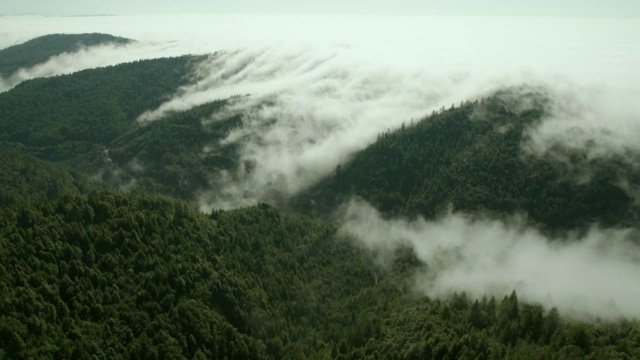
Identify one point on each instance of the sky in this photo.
(561, 8)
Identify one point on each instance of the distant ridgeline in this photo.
(87, 120)
(470, 159)
(40, 49)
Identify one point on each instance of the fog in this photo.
(319, 93)
(595, 276)
(87, 58)
(589, 8)
(599, 120)
(308, 111)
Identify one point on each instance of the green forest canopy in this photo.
(123, 276)
(470, 159)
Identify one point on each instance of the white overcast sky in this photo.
(572, 8)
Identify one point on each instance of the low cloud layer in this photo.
(314, 103)
(89, 58)
(319, 93)
(597, 275)
(599, 120)
(308, 111)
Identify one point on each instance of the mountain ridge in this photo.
(470, 159)
(41, 49)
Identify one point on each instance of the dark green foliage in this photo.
(168, 156)
(141, 275)
(25, 178)
(146, 277)
(74, 118)
(42, 48)
(470, 158)
(88, 121)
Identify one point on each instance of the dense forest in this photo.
(103, 255)
(469, 159)
(27, 179)
(74, 119)
(147, 277)
(87, 121)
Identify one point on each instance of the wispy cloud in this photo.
(319, 93)
(309, 110)
(595, 275)
(601, 121)
(89, 58)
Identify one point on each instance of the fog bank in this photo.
(597, 275)
(320, 93)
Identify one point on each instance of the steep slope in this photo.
(470, 159)
(88, 121)
(42, 48)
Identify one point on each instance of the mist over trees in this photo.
(41, 49)
(470, 159)
(103, 252)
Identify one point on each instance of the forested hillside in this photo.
(74, 118)
(40, 49)
(168, 156)
(143, 277)
(121, 276)
(471, 158)
(88, 121)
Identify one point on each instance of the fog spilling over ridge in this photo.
(597, 275)
(307, 112)
(319, 93)
(88, 58)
